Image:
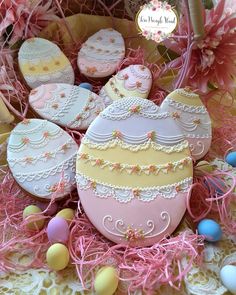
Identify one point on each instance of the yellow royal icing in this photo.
(143, 157)
(186, 97)
(121, 90)
(45, 67)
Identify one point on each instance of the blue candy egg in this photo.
(231, 159)
(210, 229)
(228, 277)
(86, 86)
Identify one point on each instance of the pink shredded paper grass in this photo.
(139, 268)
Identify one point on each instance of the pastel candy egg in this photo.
(134, 171)
(210, 229)
(66, 105)
(101, 54)
(133, 81)
(106, 281)
(30, 214)
(192, 117)
(41, 157)
(58, 230)
(67, 213)
(228, 277)
(231, 159)
(57, 257)
(42, 61)
(86, 86)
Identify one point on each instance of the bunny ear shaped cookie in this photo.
(133, 172)
(192, 117)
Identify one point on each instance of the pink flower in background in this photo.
(27, 18)
(213, 58)
(156, 3)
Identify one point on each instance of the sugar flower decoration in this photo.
(212, 59)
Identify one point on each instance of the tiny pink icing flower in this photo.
(133, 235)
(135, 109)
(151, 135)
(117, 134)
(25, 140)
(99, 162)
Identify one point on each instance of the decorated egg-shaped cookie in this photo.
(133, 172)
(190, 114)
(42, 62)
(42, 158)
(133, 81)
(101, 54)
(66, 105)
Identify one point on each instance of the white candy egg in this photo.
(228, 277)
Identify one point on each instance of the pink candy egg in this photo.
(58, 230)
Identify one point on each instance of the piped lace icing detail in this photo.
(134, 140)
(106, 99)
(186, 108)
(120, 229)
(123, 109)
(135, 169)
(44, 157)
(42, 125)
(187, 92)
(136, 147)
(66, 164)
(126, 194)
(37, 143)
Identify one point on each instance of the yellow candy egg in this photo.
(67, 213)
(106, 281)
(28, 214)
(57, 257)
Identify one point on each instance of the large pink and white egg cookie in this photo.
(42, 61)
(133, 81)
(42, 158)
(70, 106)
(101, 54)
(192, 117)
(133, 172)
